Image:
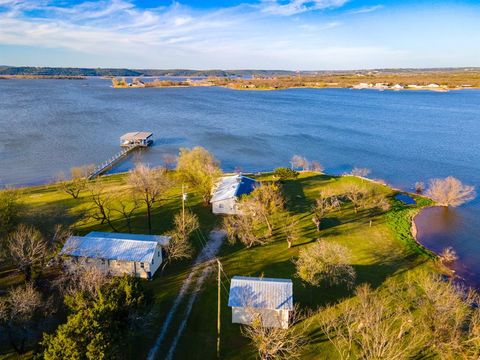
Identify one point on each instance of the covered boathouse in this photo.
(139, 138)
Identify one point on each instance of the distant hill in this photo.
(61, 71)
(58, 71)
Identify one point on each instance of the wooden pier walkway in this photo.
(106, 165)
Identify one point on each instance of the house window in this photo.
(103, 261)
(158, 254)
(220, 206)
(142, 265)
(152, 261)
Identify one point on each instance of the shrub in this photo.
(283, 173)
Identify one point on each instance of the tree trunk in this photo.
(289, 242)
(27, 271)
(269, 226)
(149, 216)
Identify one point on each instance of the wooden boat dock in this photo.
(128, 142)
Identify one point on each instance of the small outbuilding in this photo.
(227, 192)
(117, 253)
(271, 299)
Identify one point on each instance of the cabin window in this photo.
(142, 265)
(220, 206)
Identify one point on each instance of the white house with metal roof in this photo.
(271, 299)
(117, 253)
(228, 190)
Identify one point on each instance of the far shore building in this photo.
(270, 299)
(117, 253)
(227, 192)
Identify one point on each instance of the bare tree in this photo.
(448, 255)
(242, 228)
(102, 203)
(273, 343)
(179, 246)
(149, 183)
(374, 199)
(423, 314)
(316, 166)
(356, 194)
(127, 208)
(263, 204)
(27, 249)
(372, 327)
(19, 311)
(444, 312)
(419, 187)
(450, 192)
(360, 172)
(169, 161)
(298, 161)
(325, 262)
(81, 277)
(200, 169)
(323, 205)
(291, 231)
(78, 180)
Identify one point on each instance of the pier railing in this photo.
(106, 165)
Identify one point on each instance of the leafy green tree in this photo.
(9, 211)
(99, 323)
(200, 169)
(283, 173)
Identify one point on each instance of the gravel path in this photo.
(201, 268)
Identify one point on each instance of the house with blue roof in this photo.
(117, 253)
(271, 299)
(227, 192)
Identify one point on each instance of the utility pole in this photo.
(184, 198)
(218, 309)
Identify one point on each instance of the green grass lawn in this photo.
(380, 251)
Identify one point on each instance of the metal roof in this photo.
(136, 135)
(233, 186)
(162, 239)
(264, 293)
(110, 248)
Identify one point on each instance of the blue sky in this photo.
(236, 34)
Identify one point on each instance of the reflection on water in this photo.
(442, 227)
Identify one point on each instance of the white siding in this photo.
(270, 317)
(120, 267)
(227, 207)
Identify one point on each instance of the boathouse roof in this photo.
(136, 136)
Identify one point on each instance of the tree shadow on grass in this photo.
(294, 190)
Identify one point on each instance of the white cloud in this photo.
(116, 33)
(367, 9)
(293, 7)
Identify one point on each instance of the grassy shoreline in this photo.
(382, 249)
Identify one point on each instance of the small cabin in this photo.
(117, 253)
(139, 138)
(228, 190)
(270, 299)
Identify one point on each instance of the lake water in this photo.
(48, 126)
